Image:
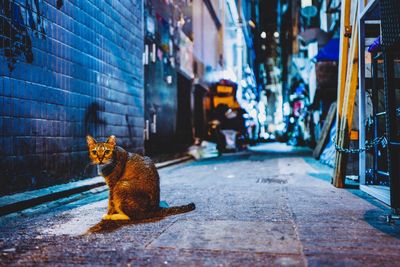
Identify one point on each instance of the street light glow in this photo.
(305, 3)
(252, 24)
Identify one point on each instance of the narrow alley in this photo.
(272, 205)
(200, 133)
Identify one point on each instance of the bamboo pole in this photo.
(345, 117)
(343, 52)
(343, 62)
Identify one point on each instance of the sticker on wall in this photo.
(159, 54)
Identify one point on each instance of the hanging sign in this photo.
(223, 89)
(185, 54)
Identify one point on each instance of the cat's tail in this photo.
(163, 212)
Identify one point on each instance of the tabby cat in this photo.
(133, 181)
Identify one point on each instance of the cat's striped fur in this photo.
(133, 181)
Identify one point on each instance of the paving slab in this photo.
(275, 238)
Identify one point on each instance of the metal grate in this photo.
(390, 16)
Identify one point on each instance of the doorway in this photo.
(184, 130)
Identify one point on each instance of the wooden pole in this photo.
(346, 115)
(343, 62)
(343, 52)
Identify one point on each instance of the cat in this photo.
(133, 181)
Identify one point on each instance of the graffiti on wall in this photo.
(60, 3)
(93, 119)
(19, 22)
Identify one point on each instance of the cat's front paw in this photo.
(119, 217)
(106, 217)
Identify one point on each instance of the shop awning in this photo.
(330, 52)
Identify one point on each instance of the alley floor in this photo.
(270, 206)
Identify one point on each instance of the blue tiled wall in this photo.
(67, 68)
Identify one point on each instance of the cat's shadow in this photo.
(107, 226)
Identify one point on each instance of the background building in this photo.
(168, 67)
(308, 58)
(225, 34)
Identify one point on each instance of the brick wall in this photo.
(67, 68)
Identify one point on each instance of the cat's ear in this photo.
(112, 140)
(90, 140)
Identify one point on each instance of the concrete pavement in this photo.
(271, 206)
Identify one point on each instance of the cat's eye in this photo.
(108, 151)
(94, 152)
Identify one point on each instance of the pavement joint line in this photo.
(146, 246)
(25, 200)
(241, 251)
(292, 218)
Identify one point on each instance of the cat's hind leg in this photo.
(133, 204)
(123, 202)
